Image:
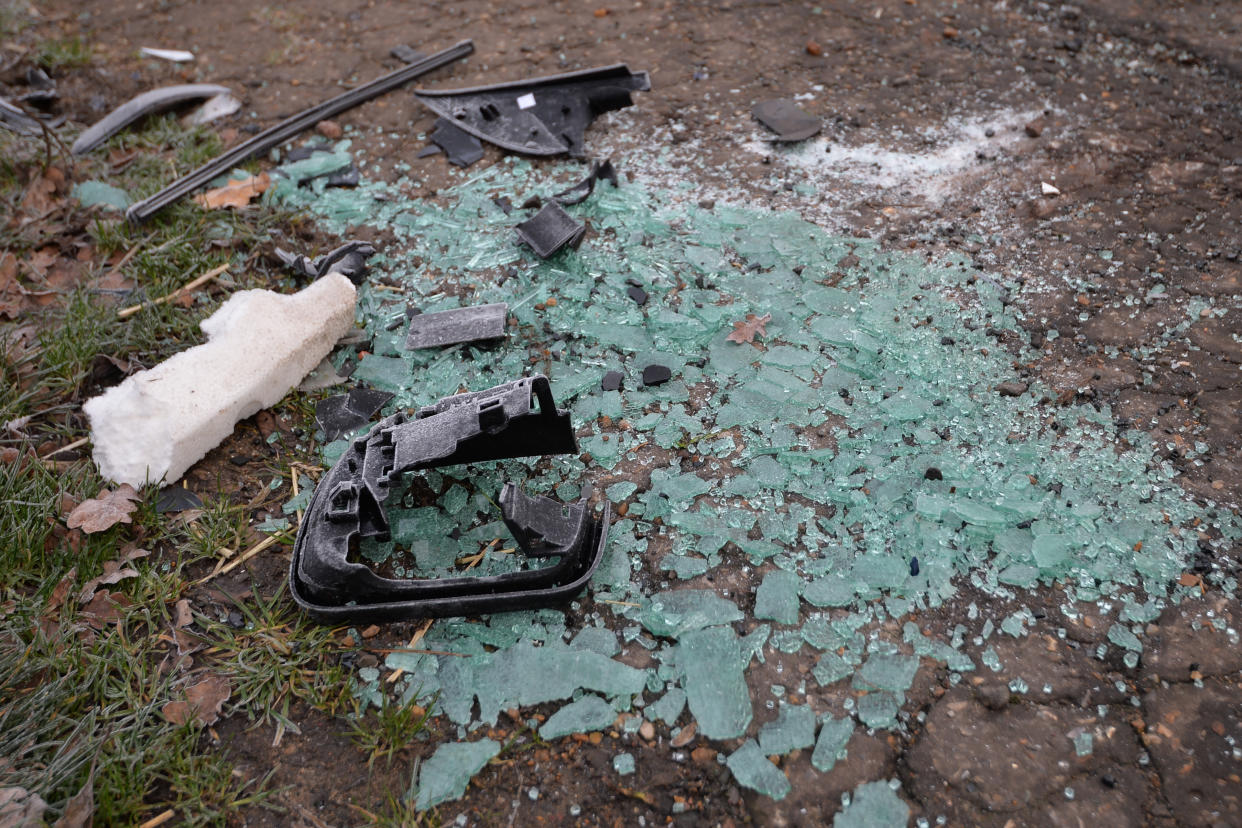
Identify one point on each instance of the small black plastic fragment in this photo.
(350, 260)
(637, 294)
(15, 120)
(503, 202)
(783, 117)
(406, 53)
(543, 116)
(462, 148)
(341, 414)
(428, 151)
(348, 177)
(656, 375)
(551, 229)
(42, 88)
(933, 473)
(914, 566)
(177, 499)
(612, 381)
(600, 171)
(479, 323)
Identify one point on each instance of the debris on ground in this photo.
(786, 119)
(600, 171)
(158, 422)
(238, 193)
(105, 511)
(289, 128)
(171, 55)
(541, 116)
(344, 413)
(480, 323)
(460, 147)
(148, 103)
(350, 260)
(213, 109)
(746, 330)
(550, 229)
(100, 194)
(349, 505)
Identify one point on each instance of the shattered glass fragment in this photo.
(873, 805)
(446, 774)
(712, 665)
(834, 734)
(753, 770)
(792, 729)
(587, 714)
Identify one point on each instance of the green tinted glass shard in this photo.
(873, 805)
(834, 734)
(446, 774)
(668, 707)
(887, 672)
(587, 714)
(753, 770)
(879, 709)
(671, 614)
(710, 662)
(792, 729)
(777, 597)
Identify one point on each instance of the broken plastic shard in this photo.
(481, 323)
(792, 729)
(873, 805)
(342, 414)
(153, 100)
(834, 734)
(587, 714)
(777, 597)
(672, 614)
(783, 117)
(578, 193)
(712, 664)
(177, 499)
(753, 770)
(461, 148)
(550, 229)
(446, 774)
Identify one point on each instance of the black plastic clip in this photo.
(516, 419)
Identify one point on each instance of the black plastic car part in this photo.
(289, 128)
(516, 419)
(544, 116)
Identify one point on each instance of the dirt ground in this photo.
(947, 118)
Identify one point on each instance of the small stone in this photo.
(933, 473)
(1035, 128)
(656, 375)
(813, 48)
(612, 381)
(601, 12)
(637, 294)
(647, 731)
(1012, 388)
(949, 32)
(329, 129)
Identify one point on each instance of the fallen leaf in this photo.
(61, 590)
(9, 455)
(747, 330)
(203, 702)
(235, 193)
(20, 808)
(105, 608)
(182, 615)
(80, 810)
(113, 571)
(105, 511)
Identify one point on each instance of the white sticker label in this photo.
(526, 101)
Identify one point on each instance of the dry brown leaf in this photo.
(203, 702)
(182, 615)
(105, 511)
(113, 571)
(752, 326)
(61, 590)
(105, 608)
(20, 808)
(80, 810)
(234, 194)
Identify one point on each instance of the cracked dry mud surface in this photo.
(941, 121)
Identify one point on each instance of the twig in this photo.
(159, 819)
(70, 447)
(241, 559)
(201, 280)
(418, 636)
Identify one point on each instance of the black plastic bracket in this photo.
(516, 419)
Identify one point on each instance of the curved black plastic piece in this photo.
(544, 116)
(348, 504)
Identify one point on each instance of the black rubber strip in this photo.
(290, 127)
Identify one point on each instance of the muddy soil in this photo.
(1092, 150)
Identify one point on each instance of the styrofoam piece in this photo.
(159, 422)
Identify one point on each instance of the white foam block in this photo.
(159, 422)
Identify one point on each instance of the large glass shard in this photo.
(753, 770)
(873, 805)
(792, 729)
(712, 664)
(446, 774)
(834, 734)
(671, 614)
(587, 714)
(777, 597)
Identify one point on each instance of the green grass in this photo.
(73, 697)
(387, 731)
(55, 55)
